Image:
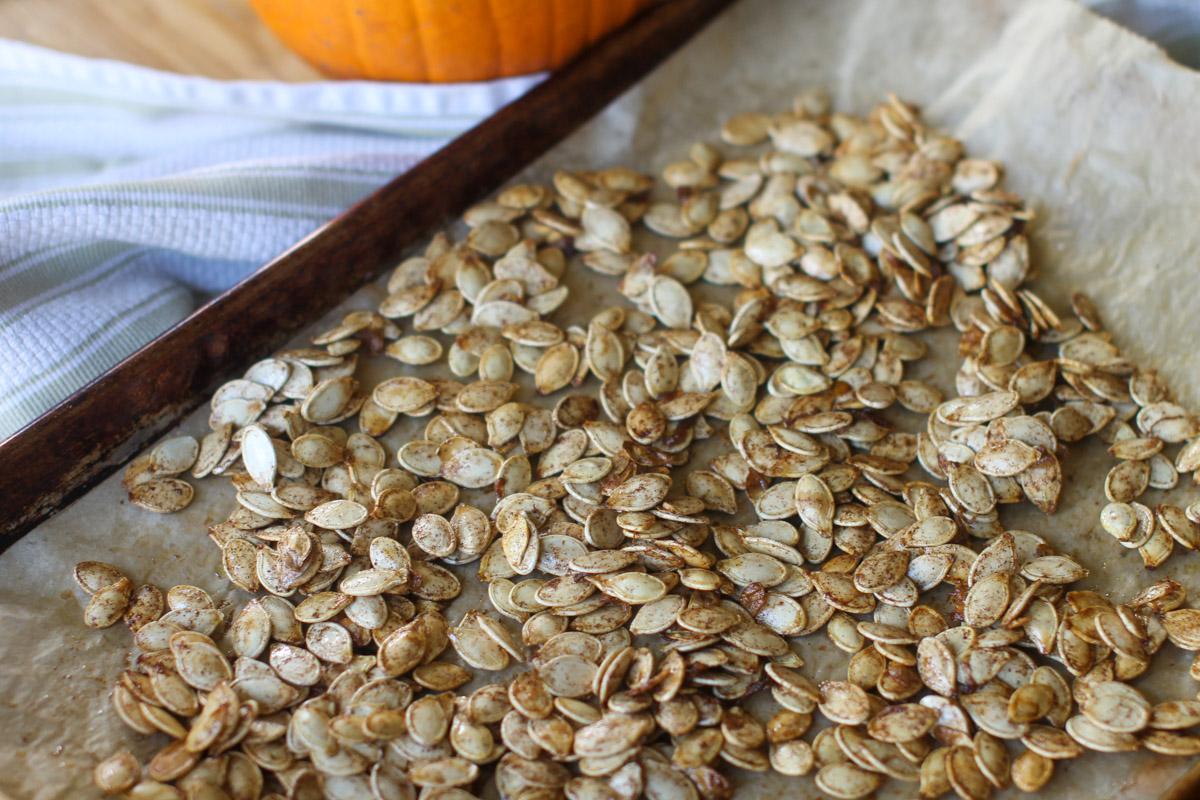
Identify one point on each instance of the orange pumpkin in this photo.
(440, 40)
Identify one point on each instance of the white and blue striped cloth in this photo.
(128, 195)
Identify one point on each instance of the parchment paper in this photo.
(1097, 129)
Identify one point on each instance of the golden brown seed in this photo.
(116, 773)
(1031, 772)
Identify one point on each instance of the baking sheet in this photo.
(1096, 128)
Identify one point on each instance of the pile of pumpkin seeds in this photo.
(630, 618)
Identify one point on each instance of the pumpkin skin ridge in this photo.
(492, 19)
(354, 23)
(418, 43)
(595, 23)
(549, 28)
(437, 41)
(565, 37)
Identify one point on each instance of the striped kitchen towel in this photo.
(128, 196)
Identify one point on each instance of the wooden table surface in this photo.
(214, 38)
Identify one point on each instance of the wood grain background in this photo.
(214, 38)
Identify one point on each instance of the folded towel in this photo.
(128, 195)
